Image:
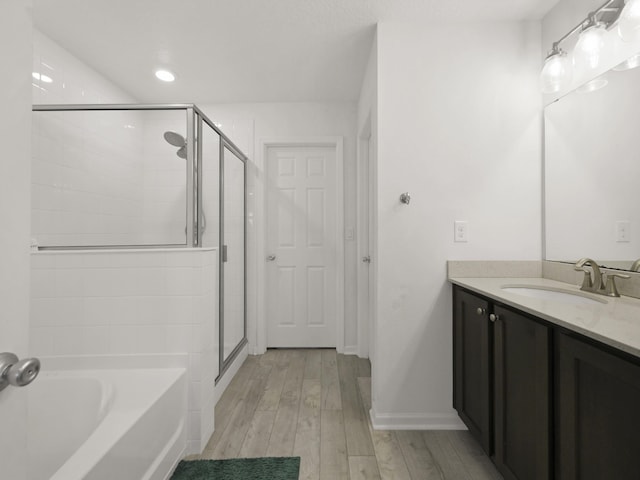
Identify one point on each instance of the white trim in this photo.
(351, 350)
(363, 322)
(261, 231)
(416, 421)
(228, 375)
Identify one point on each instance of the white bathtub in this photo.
(125, 424)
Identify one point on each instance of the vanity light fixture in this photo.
(165, 75)
(589, 50)
(593, 85)
(593, 43)
(557, 71)
(628, 64)
(629, 21)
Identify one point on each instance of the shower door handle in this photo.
(224, 253)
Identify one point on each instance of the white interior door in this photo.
(371, 236)
(15, 181)
(365, 249)
(301, 246)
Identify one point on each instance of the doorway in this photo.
(365, 242)
(303, 250)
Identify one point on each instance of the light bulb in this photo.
(593, 85)
(629, 21)
(590, 47)
(628, 64)
(556, 73)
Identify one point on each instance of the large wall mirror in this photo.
(592, 173)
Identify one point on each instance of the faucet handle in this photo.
(610, 289)
(587, 284)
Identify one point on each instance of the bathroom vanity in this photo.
(548, 383)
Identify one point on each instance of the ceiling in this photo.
(246, 50)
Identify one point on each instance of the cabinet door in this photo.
(522, 380)
(597, 413)
(472, 365)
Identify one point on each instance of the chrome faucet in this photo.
(635, 266)
(589, 285)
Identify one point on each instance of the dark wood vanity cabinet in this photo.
(502, 383)
(597, 412)
(472, 361)
(543, 402)
(522, 380)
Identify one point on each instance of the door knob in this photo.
(271, 258)
(480, 311)
(493, 317)
(17, 372)
(366, 259)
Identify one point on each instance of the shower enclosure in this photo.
(144, 176)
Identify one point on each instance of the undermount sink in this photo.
(553, 294)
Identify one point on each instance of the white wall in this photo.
(249, 124)
(73, 82)
(459, 128)
(15, 167)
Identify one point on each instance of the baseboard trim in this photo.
(351, 350)
(416, 421)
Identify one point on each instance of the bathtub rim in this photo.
(110, 430)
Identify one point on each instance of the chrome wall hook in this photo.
(405, 198)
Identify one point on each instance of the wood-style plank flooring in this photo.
(314, 404)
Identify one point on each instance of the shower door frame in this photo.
(199, 117)
(194, 211)
(226, 363)
(192, 237)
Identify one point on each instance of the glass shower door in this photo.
(233, 259)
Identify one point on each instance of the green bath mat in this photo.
(266, 468)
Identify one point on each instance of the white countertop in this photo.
(615, 323)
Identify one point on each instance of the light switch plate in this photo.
(460, 231)
(623, 231)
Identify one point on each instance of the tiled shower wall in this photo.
(101, 177)
(131, 303)
(84, 172)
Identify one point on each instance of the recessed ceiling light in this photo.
(41, 77)
(165, 75)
